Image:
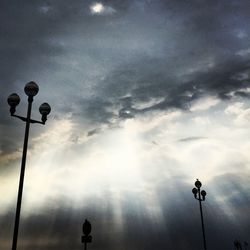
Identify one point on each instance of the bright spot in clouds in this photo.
(100, 9)
(97, 8)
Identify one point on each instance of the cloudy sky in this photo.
(146, 96)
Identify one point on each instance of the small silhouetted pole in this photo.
(245, 245)
(237, 245)
(86, 229)
(201, 197)
(31, 89)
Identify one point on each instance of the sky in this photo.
(146, 97)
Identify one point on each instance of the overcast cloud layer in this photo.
(146, 97)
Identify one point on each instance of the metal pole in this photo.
(245, 244)
(21, 180)
(202, 222)
(85, 245)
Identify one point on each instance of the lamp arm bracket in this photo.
(198, 199)
(20, 117)
(35, 121)
(25, 119)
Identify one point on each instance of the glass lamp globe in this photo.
(203, 193)
(86, 227)
(197, 184)
(13, 100)
(194, 191)
(31, 89)
(44, 109)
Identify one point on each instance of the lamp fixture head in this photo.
(31, 89)
(195, 191)
(13, 101)
(86, 228)
(198, 184)
(203, 194)
(44, 110)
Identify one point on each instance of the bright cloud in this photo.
(205, 103)
(100, 9)
(135, 157)
(240, 113)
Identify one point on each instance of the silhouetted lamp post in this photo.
(30, 89)
(86, 229)
(201, 197)
(237, 245)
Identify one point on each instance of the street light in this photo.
(201, 197)
(238, 245)
(86, 229)
(31, 89)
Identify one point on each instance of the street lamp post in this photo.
(86, 229)
(31, 89)
(200, 198)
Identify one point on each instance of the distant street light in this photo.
(245, 245)
(200, 198)
(238, 245)
(86, 229)
(31, 89)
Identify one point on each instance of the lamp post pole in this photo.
(86, 237)
(200, 198)
(31, 89)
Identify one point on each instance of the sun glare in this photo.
(136, 157)
(97, 8)
(112, 164)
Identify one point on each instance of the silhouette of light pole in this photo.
(200, 198)
(245, 245)
(86, 229)
(237, 245)
(30, 89)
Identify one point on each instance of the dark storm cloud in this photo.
(32, 37)
(203, 32)
(152, 60)
(181, 72)
(25, 28)
(144, 82)
(96, 109)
